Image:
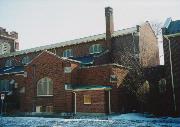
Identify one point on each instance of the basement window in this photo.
(49, 108)
(87, 99)
(39, 109)
(162, 86)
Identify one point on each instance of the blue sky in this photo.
(41, 22)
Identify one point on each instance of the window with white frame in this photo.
(67, 53)
(39, 109)
(96, 48)
(22, 90)
(67, 69)
(45, 87)
(113, 78)
(25, 60)
(49, 108)
(8, 63)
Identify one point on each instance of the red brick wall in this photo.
(97, 75)
(81, 49)
(98, 102)
(123, 44)
(104, 58)
(148, 46)
(74, 73)
(69, 101)
(47, 65)
(121, 74)
(100, 75)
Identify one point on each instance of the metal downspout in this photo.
(109, 101)
(172, 76)
(74, 102)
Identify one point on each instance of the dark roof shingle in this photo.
(174, 27)
(11, 70)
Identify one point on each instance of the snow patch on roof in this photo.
(72, 42)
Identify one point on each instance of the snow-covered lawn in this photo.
(124, 120)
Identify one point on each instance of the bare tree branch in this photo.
(135, 81)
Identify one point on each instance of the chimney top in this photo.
(108, 10)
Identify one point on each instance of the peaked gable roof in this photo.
(54, 55)
(171, 27)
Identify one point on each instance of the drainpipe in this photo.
(172, 77)
(109, 92)
(74, 102)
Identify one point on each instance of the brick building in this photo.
(81, 75)
(171, 39)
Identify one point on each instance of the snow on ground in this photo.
(123, 120)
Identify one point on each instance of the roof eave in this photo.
(172, 35)
(92, 89)
(73, 42)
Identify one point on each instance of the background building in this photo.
(171, 39)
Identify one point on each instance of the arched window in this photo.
(67, 53)
(146, 87)
(143, 89)
(162, 85)
(5, 48)
(25, 60)
(8, 63)
(45, 87)
(96, 48)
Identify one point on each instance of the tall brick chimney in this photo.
(109, 25)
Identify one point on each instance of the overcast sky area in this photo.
(42, 22)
